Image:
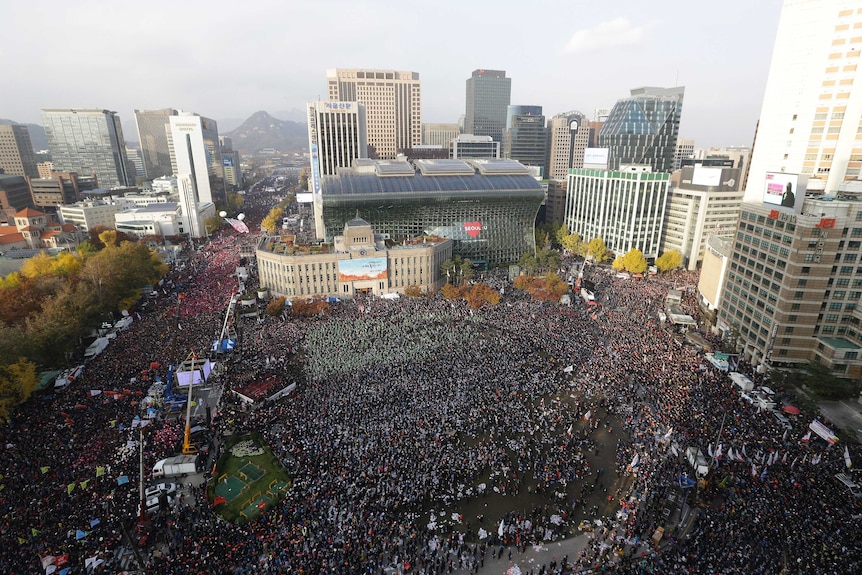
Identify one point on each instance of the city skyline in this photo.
(278, 64)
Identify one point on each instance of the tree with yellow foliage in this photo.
(17, 382)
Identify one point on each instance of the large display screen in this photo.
(781, 189)
(362, 269)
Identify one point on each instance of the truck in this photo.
(697, 461)
(177, 465)
(744, 383)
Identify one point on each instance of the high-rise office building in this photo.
(643, 128)
(703, 203)
(526, 137)
(337, 135)
(624, 207)
(794, 281)
(16, 151)
(195, 145)
(568, 137)
(137, 162)
(194, 142)
(439, 134)
(153, 129)
(87, 141)
(393, 106)
(58, 190)
(489, 93)
(684, 151)
(231, 162)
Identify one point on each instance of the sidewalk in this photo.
(846, 414)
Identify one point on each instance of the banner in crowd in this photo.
(823, 432)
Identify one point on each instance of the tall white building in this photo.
(625, 208)
(195, 150)
(393, 105)
(812, 106)
(337, 135)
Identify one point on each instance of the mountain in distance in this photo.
(225, 125)
(261, 130)
(38, 139)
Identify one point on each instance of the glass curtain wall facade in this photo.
(643, 129)
(153, 127)
(526, 137)
(87, 141)
(490, 218)
(489, 93)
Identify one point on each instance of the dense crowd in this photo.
(412, 415)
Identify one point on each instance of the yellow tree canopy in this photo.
(634, 261)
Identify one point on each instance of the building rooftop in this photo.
(838, 343)
(444, 176)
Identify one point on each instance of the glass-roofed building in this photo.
(487, 207)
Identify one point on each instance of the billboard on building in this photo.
(783, 190)
(596, 157)
(706, 176)
(315, 169)
(362, 269)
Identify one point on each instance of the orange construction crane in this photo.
(188, 448)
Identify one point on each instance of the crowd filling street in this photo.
(427, 437)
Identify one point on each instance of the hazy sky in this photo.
(229, 60)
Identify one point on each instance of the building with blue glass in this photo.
(487, 207)
(526, 137)
(643, 129)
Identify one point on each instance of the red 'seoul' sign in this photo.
(472, 228)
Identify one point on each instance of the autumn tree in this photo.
(276, 306)
(619, 263)
(571, 242)
(18, 381)
(481, 294)
(272, 221)
(669, 260)
(308, 308)
(634, 261)
(598, 249)
(413, 291)
(450, 292)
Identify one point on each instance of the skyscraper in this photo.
(393, 106)
(568, 137)
(337, 135)
(489, 93)
(87, 141)
(194, 143)
(153, 127)
(794, 281)
(643, 128)
(526, 137)
(16, 151)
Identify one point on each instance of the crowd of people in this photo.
(428, 437)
